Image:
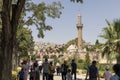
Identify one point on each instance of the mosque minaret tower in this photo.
(79, 27)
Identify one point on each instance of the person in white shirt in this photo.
(107, 73)
(116, 69)
(40, 65)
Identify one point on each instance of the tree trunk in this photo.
(6, 62)
(14, 59)
(6, 46)
(9, 29)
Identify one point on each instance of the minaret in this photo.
(79, 27)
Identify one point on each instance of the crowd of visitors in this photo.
(67, 73)
(47, 69)
(93, 72)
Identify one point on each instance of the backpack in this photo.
(93, 71)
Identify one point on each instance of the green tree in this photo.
(25, 41)
(9, 32)
(21, 30)
(8, 35)
(87, 60)
(38, 13)
(111, 34)
(24, 44)
(10, 16)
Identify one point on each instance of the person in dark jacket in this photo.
(64, 68)
(93, 72)
(74, 68)
(21, 74)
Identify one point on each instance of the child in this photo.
(107, 73)
(69, 75)
(21, 74)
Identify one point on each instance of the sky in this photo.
(93, 12)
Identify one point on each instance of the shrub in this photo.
(18, 69)
(87, 61)
(101, 67)
(80, 61)
(101, 74)
(14, 75)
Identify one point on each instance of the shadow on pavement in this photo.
(79, 79)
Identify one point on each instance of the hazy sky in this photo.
(94, 13)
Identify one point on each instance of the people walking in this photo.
(64, 70)
(58, 68)
(74, 68)
(116, 69)
(93, 72)
(45, 67)
(51, 71)
(25, 68)
(107, 73)
(32, 74)
(21, 74)
(36, 68)
(40, 65)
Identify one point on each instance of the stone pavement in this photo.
(79, 77)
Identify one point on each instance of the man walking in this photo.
(45, 67)
(93, 72)
(64, 70)
(74, 68)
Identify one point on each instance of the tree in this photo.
(21, 30)
(25, 41)
(0, 35)
(38, 13)
(24, 45)
(112, 36)
(9, 29)
(10, 22)
(87, 60)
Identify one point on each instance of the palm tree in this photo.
(112, 36)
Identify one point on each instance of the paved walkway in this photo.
(79, 77)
